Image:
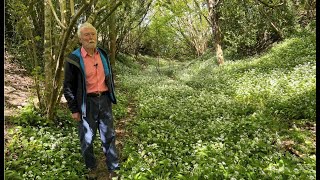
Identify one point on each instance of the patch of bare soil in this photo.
(17, 87)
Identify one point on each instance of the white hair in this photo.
(85, 25)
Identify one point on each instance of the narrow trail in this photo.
(121, 135)
(121, 131)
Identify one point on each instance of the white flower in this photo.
(53, 146)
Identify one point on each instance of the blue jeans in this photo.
(99, 116)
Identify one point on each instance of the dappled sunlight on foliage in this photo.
(213, 122)
(35, 152)
(205, 90)
(252, 118)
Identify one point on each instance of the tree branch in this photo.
(62, 10)
(107, 16)
(57, 76)
(66, 35)
(93, 17)
(143, 17)
(55, 15)
(70, 27)
(102, 9)
(217, 3)
(71, 7)
(201, 13)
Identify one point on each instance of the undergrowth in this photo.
(247, 119)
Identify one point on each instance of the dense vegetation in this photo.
(40, 34)
(247, 119)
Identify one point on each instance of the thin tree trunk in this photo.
(71, 3)
(29, 33)
(214, 19)
(112, 36)
(57, 79)
(217, 39)
(48, 52)
(63, 5)
(36, 75)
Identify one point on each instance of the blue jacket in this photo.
(74, 84)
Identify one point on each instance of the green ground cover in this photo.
(244, 120)
(248, 119)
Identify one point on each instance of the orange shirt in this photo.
(94, 72)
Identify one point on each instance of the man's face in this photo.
(88, 38)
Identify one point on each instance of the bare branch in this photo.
(107, 16)
(72, 7)
(144, 16)
(102, 9)
(55, 15)
(201, 13)
(63, 10)
(93, 16)
(277, 30)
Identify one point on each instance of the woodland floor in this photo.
(18, 92)
(17, 88)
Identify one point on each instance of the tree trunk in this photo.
(215, 26)
(63, 5)
(217, 39)
(112, 36)
(71, 4)
(48, 52)
(36, 66)
(56, 80)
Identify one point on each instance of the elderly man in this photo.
(89, 91)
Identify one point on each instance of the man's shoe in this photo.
(113, 175)
(92, 174)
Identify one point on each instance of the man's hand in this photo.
(76, 116)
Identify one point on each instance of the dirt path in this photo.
(121, 135)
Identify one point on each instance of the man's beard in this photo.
(92, 45)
